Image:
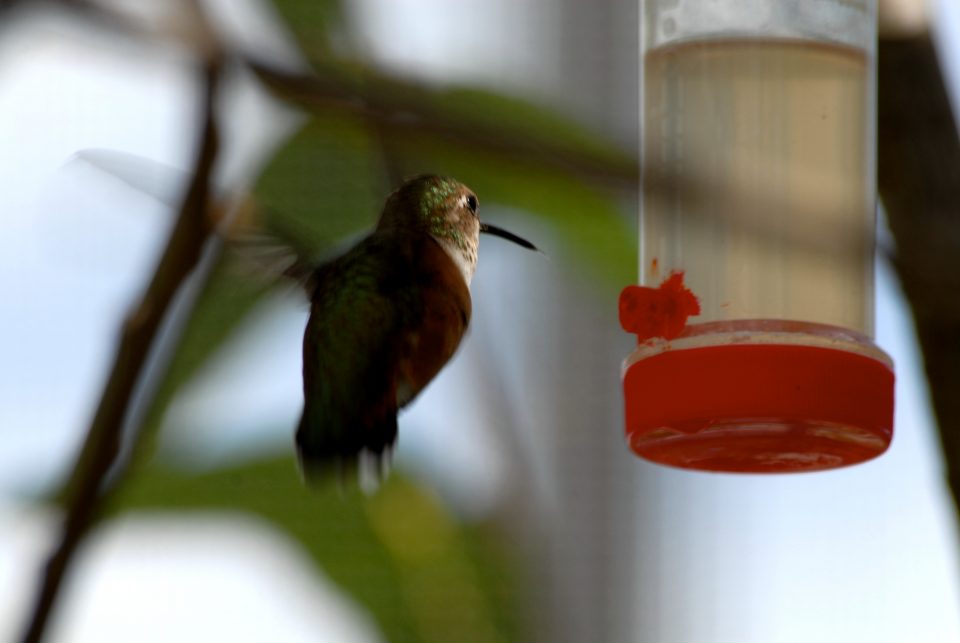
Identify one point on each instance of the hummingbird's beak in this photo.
(509, 236)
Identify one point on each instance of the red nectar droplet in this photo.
(658, 312)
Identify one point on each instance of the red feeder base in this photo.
(758, 407)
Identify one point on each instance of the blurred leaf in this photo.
(583, 209)
(225, 300)
(439, 565)
(510, 151)
(595, 231)
(398, 553)
(476, 120)
(322, 185)
(312, 22)
(515, 117)
(318, 188)
(545, 164)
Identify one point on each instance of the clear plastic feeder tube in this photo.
(758, 156)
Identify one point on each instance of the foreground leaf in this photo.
(595, 232)
(314, 23)
(423, 576)
(316, 190)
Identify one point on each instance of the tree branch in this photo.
(394, 107)
(86, 490)
(919, 178)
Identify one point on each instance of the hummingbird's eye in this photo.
(472, 203)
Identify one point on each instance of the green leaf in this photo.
(313, 23)
(480, 121)
(513, 117)
(322, 185)
(398, 553)
(553, 168)
(318, 188)
(510, 151)
(595, 230)
(226, 298)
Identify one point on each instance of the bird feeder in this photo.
(754, 311)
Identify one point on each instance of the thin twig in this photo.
(86, 488)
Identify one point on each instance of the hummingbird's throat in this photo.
(464, 255)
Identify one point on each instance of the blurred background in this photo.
(515, 511)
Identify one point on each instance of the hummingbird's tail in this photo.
(357, 450)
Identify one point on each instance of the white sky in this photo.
(864, 554)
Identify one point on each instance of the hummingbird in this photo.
(385, 317)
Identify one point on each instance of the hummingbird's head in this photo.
(447, 210)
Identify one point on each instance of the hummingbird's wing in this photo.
(384, 319)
